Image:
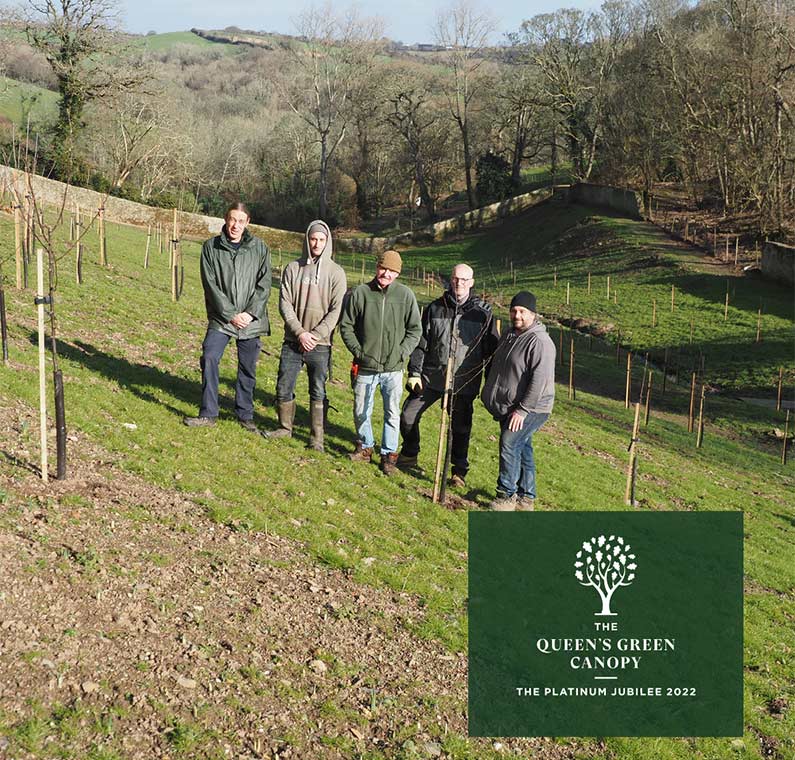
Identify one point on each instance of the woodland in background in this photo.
(338, 122)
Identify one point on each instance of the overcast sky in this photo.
(406, 20)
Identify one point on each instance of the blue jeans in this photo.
(290, 363)
(363, 400)
(247, 353)
(517, 466)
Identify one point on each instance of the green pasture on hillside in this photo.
(18, 99)
(130, 355)
(167, 40)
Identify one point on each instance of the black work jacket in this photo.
(473, 331)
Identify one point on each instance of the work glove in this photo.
(414, 385)
(354, 371)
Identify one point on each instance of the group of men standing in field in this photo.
(448, 347)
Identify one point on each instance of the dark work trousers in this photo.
(413, 409)
(247, 353)
(290, 363)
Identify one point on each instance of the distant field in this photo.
(158, 42)
(17, 99)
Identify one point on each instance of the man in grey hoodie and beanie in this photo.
(236, 276)
(310, 301)
(519, 393)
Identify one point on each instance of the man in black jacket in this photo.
(236, 276)
(458, 324)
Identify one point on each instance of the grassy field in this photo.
(130, 356)
(168, 40)
(17, 99)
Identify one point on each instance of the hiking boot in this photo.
(286, 412)
(248, 425)
(389, 463)
(317, 414)
(525, 504)
(361, 454)
(199, 421)
(456, 481)
(503, 504)
(406, 462)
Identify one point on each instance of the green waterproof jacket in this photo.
(235, 281)
(381, 327)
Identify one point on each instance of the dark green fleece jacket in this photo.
(235, 281)
(381, 327)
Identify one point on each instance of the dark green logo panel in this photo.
(605, 624)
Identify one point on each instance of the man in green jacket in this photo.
(236, 276)
(380, 326)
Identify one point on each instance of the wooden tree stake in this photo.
(786, 436)
(18, 244)
(759, 326)
(40, 301)
(654, 312)
(632, 469)
(589, 283)
(571, 369)
(700, 434)
(648, 400)
(629, 380)
(691, 412)
(673, 297)
(568, 294)
(608, 287)
(148, 241)
(778, 391)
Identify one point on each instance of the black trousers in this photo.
(413, 409)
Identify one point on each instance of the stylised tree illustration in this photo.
(605, 564)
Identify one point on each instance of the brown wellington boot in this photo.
(389, 463)
(286, 411)
(361, 454)
(317, 414)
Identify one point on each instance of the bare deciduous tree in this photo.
(331, 60)
(464, 32)
(88, 58)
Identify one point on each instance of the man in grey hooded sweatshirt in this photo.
(310, 301)
(520, 392)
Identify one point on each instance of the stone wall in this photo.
(469, 222)
(778, 262)
(629, 202)
(50, 192)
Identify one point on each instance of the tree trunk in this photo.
(323, 205)
(471, 198)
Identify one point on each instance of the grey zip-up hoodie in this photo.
(311, 293)
(522, 373)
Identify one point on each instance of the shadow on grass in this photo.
(141, 379)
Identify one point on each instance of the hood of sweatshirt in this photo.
(325, 254)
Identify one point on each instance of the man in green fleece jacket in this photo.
(380, 326)
(236, 276)
(310, 301)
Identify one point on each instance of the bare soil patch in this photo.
(132, 625)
